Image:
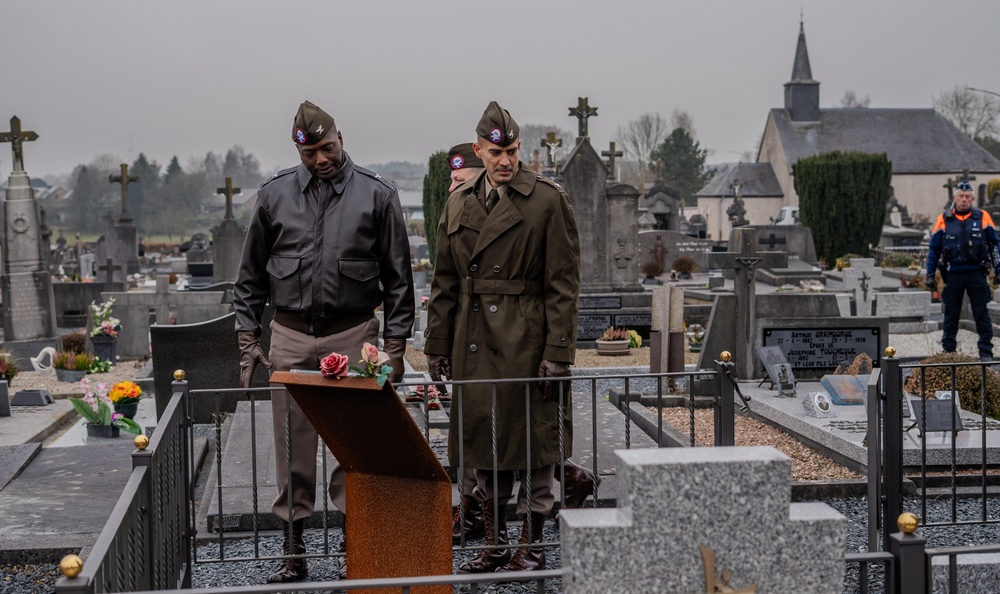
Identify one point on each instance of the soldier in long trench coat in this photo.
(503, 301)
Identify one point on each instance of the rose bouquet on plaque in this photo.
(373, 364)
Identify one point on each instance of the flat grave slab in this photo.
(14, 459)
(844, 433)
(27, 424)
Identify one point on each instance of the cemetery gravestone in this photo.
(729, 523)
(863, 278)
(127, 244)
(28, 304)
(227, 240)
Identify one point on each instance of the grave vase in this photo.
(105, 347)
(612, 347)
(102, 431)
(420, 279)
(70, 375)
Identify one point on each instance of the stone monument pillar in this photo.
(227, 240)
(124, 228)
(584, 177)
(623, 223)
(28, 305)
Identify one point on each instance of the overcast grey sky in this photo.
(405, 78)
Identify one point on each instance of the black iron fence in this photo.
(935, 404)
(146, 543)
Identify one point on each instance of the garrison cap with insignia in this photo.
(311, 124)
(462, 155)
(964, 186)
(497, 126)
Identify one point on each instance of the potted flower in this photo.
(125, 396)
(8, 366)
(614, 341)
(652, 268)
(696, 337)
(684, 266)
(71, 367)
(96, 408)
(104, 334)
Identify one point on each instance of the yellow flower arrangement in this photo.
(125, 393)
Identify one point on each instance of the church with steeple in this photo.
(924, 147)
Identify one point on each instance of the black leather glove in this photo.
(931, 283)
(250, 355)
(395, 347)
(439, 366)
(550, 390)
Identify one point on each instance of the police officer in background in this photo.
(965, 244)
(326, 246)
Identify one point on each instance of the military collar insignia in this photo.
(457, 162)
(300, 135)
(496, 135)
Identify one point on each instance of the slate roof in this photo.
(757, 180)
(915, 140)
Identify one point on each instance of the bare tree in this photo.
(682, 119)
(639, 138)
(975, 114)
(850, 99)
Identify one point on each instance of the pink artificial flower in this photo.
(432, 391)
(370, 354)
(334, 365)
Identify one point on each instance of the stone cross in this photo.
(745, 259)
(16, 137)
(772, 240)
(229, 190)
(582, 112)
(737, 209)
(550, 142)
(864, 285)
(863, 279)
(124, 180)
(110, 269)
(966, 176)
(612, 154)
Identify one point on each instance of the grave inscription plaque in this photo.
(824, 348)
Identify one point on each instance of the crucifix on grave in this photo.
(109, 270)
(612, 154)
(551, 142)
(744, 258)
(582, 112)
(864, 285)
(16, 137)
(229, 190)
(124, 180)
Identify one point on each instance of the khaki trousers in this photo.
(542, 495)
(295, 350)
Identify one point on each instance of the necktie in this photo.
(492, 200)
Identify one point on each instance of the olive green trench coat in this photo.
(504, 297)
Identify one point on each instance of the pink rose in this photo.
(334, 365)
(370, 354)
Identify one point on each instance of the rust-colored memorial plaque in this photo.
(398, 494)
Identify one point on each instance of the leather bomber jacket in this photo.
(347, 256)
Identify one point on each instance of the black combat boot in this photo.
(291, 570)
(496, 534)
(471, 521)
(528, 558)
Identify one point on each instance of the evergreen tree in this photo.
(842, 198)
(436, 184)
(143, 194)
(173, 169)
(682, 164)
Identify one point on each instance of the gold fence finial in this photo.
(890, 351)
(179, 375)
(908, 522)
(71, 566)
(725, 356)
(141, 442)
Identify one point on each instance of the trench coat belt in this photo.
(479, 286)
(320, 325)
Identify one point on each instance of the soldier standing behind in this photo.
(504, 303)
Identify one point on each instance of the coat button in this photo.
(493, 309)
(473, 348)
(474, 267)
(475, 307)
(496, 268)
(562, 340)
